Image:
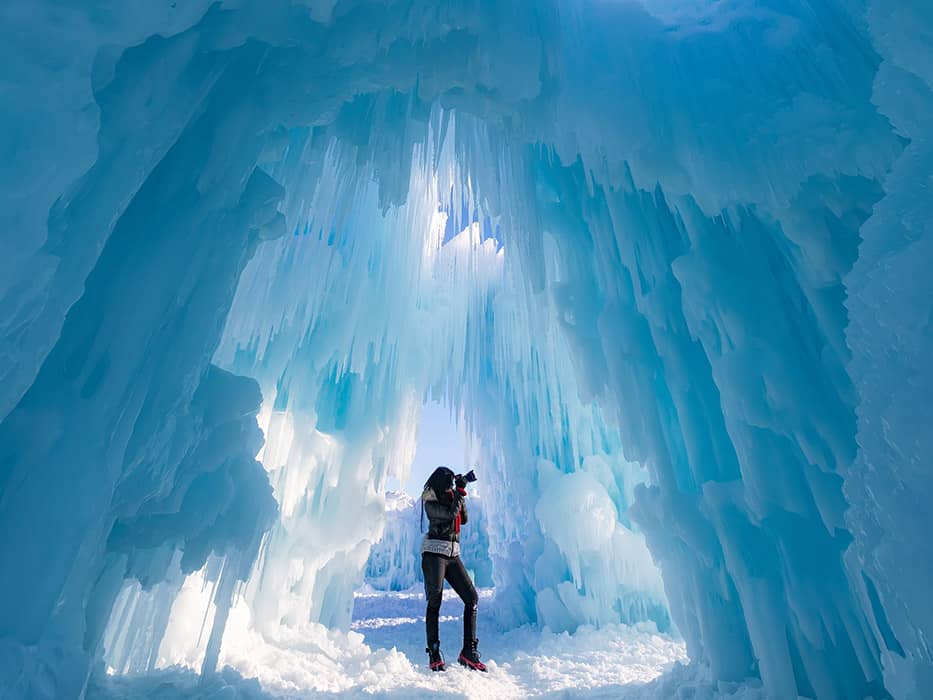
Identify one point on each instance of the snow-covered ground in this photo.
(523, 662)
(383, 657)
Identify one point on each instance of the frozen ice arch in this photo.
(687, 246)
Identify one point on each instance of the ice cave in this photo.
(659, 271)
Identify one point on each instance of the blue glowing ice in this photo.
(666, 261)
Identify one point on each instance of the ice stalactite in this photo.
(218, 509)
(370, 323)
(750, 422)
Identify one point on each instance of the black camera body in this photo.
(463, 479)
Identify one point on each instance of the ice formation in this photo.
(665, 260)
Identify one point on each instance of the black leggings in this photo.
(436, 568)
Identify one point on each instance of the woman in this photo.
(443, 501)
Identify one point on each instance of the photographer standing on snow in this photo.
(443, 500)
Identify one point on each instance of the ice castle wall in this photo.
(104, 459)
(679, 190)
(889, 299)
(414, 307)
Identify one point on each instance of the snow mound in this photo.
(385, 659)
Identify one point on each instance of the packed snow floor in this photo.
(383, 657)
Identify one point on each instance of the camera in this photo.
(463, 479)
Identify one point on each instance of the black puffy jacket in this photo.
(446, 513)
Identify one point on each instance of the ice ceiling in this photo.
(669, 261)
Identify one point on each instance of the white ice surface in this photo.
(382, 656)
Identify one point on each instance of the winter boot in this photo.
(470, 658)
(435, 660)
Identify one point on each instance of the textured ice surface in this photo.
(889, 485)
(665, 261)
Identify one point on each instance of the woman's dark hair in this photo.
(440, 480)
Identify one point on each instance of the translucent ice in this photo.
(665, 261)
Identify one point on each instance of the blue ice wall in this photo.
(889, 293)
(701, 320)
(745, 499)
